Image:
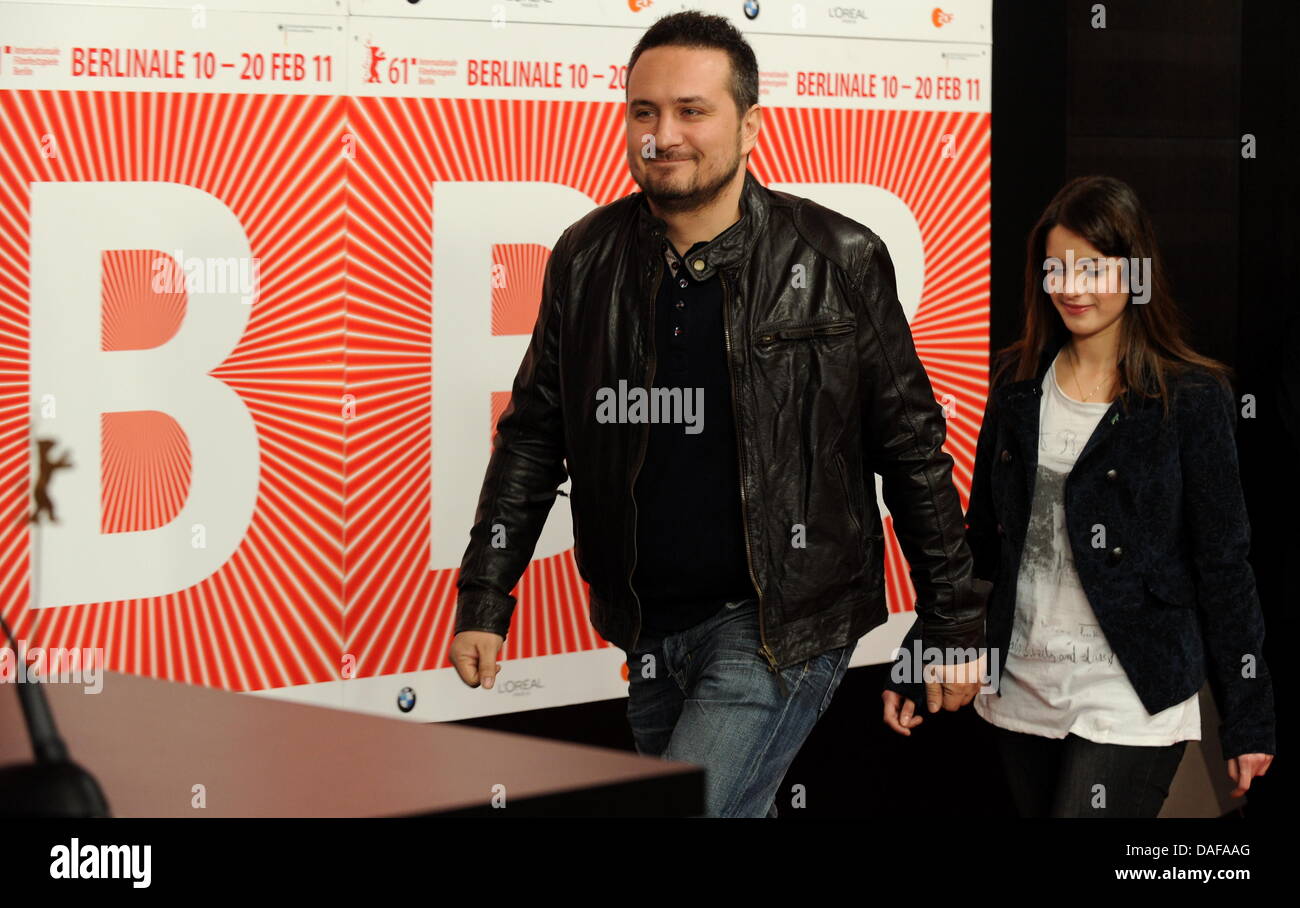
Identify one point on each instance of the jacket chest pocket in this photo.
(777, 335)
(809, 371)
(807, 357)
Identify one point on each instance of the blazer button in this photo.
(1116, 554)
(1006, 456)
(1111, 475)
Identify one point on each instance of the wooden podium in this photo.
(149, 743)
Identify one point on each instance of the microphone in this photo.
(53, 786)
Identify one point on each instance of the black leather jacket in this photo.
(827, 390)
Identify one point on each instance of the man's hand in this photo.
(1245, 767)
(948, 686)
(474, 653)
(952, 686)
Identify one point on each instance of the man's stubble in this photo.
(694, 196)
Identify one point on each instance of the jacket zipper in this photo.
(801, 332)
(764, 650)
(645, 440)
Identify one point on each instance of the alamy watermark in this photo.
(1098, 275)
(76, 861)
(658, 405)
(949, 664)
(55, 665)
(175, 273)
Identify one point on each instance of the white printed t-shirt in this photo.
(1060, 676)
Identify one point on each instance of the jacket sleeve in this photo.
(1232, 623)
(904, 431)
(523, 472)
(981, 538)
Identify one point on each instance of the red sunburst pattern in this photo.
(272, 615)
(399, 613)
(145, 470)
(322, 573)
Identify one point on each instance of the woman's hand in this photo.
(899, 713)
(1245, 767)
(947, 687)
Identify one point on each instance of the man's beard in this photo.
(693, 195)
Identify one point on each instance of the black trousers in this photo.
(1075, 777)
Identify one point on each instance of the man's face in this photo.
(685, 138)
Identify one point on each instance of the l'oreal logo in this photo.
(848, 13)
(518, 687)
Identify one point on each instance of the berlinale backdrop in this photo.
(266, 286)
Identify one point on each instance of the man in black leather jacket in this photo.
(720, 369)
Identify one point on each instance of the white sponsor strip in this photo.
(208, 51)
(523, 684)
(521, 60)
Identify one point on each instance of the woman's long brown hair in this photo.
(1152, 346)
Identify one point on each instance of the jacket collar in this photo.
(1032, 387)
(728, 248)
(1019, 403)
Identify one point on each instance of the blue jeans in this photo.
(706, 696)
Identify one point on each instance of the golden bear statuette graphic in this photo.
(47, 468)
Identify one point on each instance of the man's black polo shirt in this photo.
(689, 535)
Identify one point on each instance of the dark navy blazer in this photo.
(1159, 533)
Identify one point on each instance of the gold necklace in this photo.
(1074, 373)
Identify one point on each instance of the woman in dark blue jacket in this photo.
(1107, 510)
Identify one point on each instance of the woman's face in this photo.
(1087, 289)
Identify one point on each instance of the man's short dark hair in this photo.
(696, 29)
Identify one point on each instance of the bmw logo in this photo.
(751, 9)
(406, 700)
